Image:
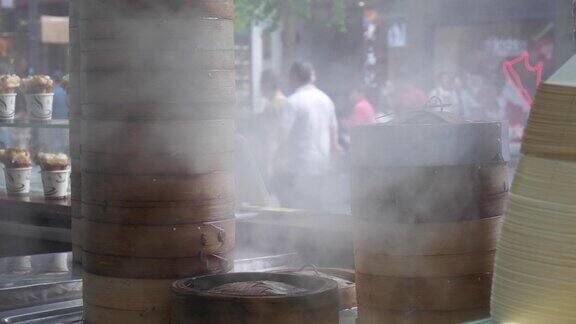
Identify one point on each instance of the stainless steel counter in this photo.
(39, 296)
(71, 312)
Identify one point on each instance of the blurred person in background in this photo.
(250, 186)
(445, 90)
(469, 92)
(308, 142)
(363, 111)
(408, 97)
(268, 123)
(60, 107)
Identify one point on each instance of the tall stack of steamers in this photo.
(535, 274)
(157, 86)
(428, 195)
(75, 122)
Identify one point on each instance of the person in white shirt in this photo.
(309, 141)
(445, 91)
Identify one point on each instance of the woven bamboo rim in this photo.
(160, 241)
(431, 294)
(220, 9)
(369, 315)
(425, 266)
(427, 239)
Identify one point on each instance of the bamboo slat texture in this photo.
(157, 147)
(426, 230)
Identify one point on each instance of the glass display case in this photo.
(31, 220)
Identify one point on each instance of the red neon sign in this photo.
(514, 77)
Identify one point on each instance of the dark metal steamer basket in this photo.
(194, 303)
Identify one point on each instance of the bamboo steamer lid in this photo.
(424, 266)
(222, 9)
(551, 128)
(134, 60)
(427, 220)
(75, 113)
(120, 300)
(427, 238)
(170, 241)
(129, 294)
(162, 28)
(168, 163)
(376, 315)
(345, 278)
(98, 314)
(162, 110)
(432, 294)
(194, 302)
(535, 271)
(157, 268)
(429, 139)
(445, 193)
(158, 89)
(76, 238)
(546, 180)
(160, 213)
(158, 137)
(118, 189)
(186, 86)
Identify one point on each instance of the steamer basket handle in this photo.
(221, 236)
(221, 233)
(206, 265)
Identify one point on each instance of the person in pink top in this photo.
(362, 113)
(409, 97)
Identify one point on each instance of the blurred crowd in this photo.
(299, 140)
(295, 139)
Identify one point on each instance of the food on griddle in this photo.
(257, 288)
(53, 161)
(9, 83)
(38, 84)
(14, 158)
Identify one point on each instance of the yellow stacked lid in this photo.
(535, 269)
(551, 129)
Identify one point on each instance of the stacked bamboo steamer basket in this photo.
(75, 122)
(157, 83)
(428, 194)
(196, 302)
(535, 271)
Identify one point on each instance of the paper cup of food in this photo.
(7, 106)
(9, 84)
(39, 105)
(17, 170)
(18, 180)
(55, 184)
(39, 96)
(55, 174)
